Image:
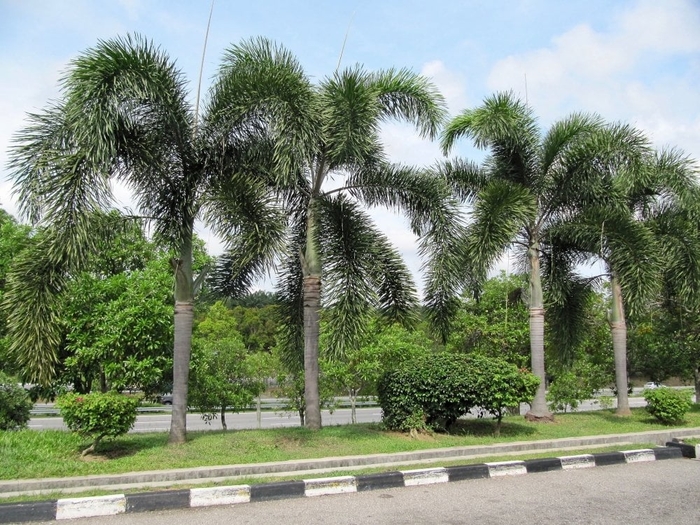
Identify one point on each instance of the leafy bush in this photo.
(667, 404)
(97, 416)
(14, 404)
(434, 391)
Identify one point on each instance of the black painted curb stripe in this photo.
(161, 500)
(177, 499)
(464, 472)
(279, 490)
(609, 458)
(381, 480)
(542, 465)
(32, 511)
(687, 451)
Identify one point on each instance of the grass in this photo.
(39, 454)
(268, 479)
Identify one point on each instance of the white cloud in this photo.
(642, 70)
(452, 85)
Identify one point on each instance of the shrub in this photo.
(14, 404)
(432, 389)
(97, 416)
(667, 404)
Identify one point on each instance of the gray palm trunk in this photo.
(311, 267)
(539, 403)
(183, 321)
(618, 327)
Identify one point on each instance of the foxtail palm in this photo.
(123, 115)
(636, 212)
(335, 166)
(515, 195)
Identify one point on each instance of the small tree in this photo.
(360, 368)
(499, 385)
(14, 404)
(222, 375)
(97, 416)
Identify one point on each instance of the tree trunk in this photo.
(223, 417)
(312, 304)
(311, 268)
(618, 327)
(697, 384)
(538, 409)
(258, 412)
(184, 318)
(353, 405)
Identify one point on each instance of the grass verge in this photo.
(41, 454)
(355, 472)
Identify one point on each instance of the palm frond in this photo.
(362, 272)
(404, 95)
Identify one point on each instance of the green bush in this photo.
(14, 404)
(667, 404)
(97, 416)
(434, 391)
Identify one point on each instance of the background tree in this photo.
(336, 166)
(515, 196)
(123, 114)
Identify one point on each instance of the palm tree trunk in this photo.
(184, 318)
(223, 418)
(618, 327)
(312, 304)
(538, 409)
(311, 267)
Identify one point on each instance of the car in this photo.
(166, 399)
(651, 385)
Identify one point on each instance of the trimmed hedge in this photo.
(667, 404)
(432, 392)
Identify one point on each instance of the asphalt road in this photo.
(654, 493)
(270, 419)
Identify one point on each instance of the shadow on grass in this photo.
(486, 428)
(124, 446)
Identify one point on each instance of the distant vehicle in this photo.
(166, 399)
(651, 385)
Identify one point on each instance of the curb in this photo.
(231, 495)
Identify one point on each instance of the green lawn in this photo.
(37, 454)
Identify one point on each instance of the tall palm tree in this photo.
(636, 212)
(335, 255)
(515, 196)
(124, 115)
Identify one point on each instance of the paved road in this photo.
(161, 422)
(655, 493)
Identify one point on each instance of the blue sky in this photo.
(636, 61)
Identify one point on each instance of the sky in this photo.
(632, 61)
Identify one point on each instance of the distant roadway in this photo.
(270, 419)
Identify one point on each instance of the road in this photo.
(161, 422)
(654, 493)
(269, 419)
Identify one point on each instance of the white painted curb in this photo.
(68, 509)
(220, 496)
(427, 476)
(575, 462)
(639, 456)
(325, 486)
(506, 468)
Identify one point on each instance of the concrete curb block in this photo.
(231, 495)
(688, 451)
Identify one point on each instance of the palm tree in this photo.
(636, 212)
(515, 196)
(335, 166)
(123, 115)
